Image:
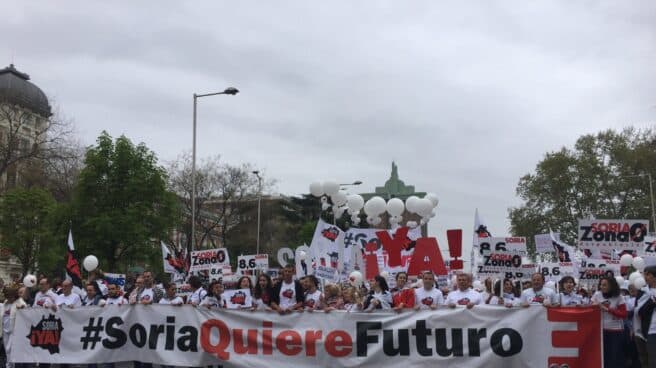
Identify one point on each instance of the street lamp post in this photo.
(355, 183)
(259, 207)
(228, 91)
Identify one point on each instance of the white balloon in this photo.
(433, 198)
(370, 220)
(640, 282)
(423, 222)
(619, 280)
(375, 206)
(626, 260)
(330, 187)
(90, 263)
(355, 219)
(411, 204)
(355, 202)
(339, 211)
(639, 263)
(477, 285)
(395, 207)
(377, 220)
(424, 207)
(325, 206)
(433, 213)
(29, 280)
(394, 219)
(355, 278)
(302, 255)
(633, 276)
(339, 198)
(411, 224)
(316, 189)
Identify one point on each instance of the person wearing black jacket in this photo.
(646, 312)
(288, 293)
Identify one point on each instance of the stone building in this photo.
(24, 114)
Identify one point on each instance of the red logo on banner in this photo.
(586, 338)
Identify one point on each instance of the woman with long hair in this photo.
(509, 297)
(614, 312)
(263, 292)
(379, 296)
(568, 296)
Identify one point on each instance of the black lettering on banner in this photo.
(170, 332)
(474, 337)
(483, 247)
(514, 347)
(155, 331)
(441, 344)
(651, 247)
(586, 233)
(189, 340)
(388, 343)
(500, 246)
(363, 338)
(138, 335)
(422, 333)
(117, 334)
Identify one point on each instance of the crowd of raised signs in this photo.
(629, 335)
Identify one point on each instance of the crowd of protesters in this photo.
(629, 329)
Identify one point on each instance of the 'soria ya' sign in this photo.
(485, 336)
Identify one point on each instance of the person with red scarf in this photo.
(403, 296)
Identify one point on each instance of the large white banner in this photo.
(612, 234)
(485, 336)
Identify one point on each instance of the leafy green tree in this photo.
(26, 228)
(605, 175)
(121, 205)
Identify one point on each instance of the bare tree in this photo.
(30, 142)
(223, 192)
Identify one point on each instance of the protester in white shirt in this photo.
(170, 295)
(214, 298)
(197, 291)
(45, 297)
(379, 296)
(313, 296)
(68, 298)
(568, 296)
(614, 313)
(538, 294)
(287, 293)
(114, 296)
(464, 295)
(509, 296)
(11, 305)
(352, 300)
(428, 297)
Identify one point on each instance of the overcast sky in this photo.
(465, 97)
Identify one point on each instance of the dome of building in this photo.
(15, 89)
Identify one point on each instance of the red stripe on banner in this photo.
(586, 338)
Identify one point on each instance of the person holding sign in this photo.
(464, 295)
(288, 293)
(428, 297)
(568, 296)
(538, 294)
(403, 296)
(614, 312)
